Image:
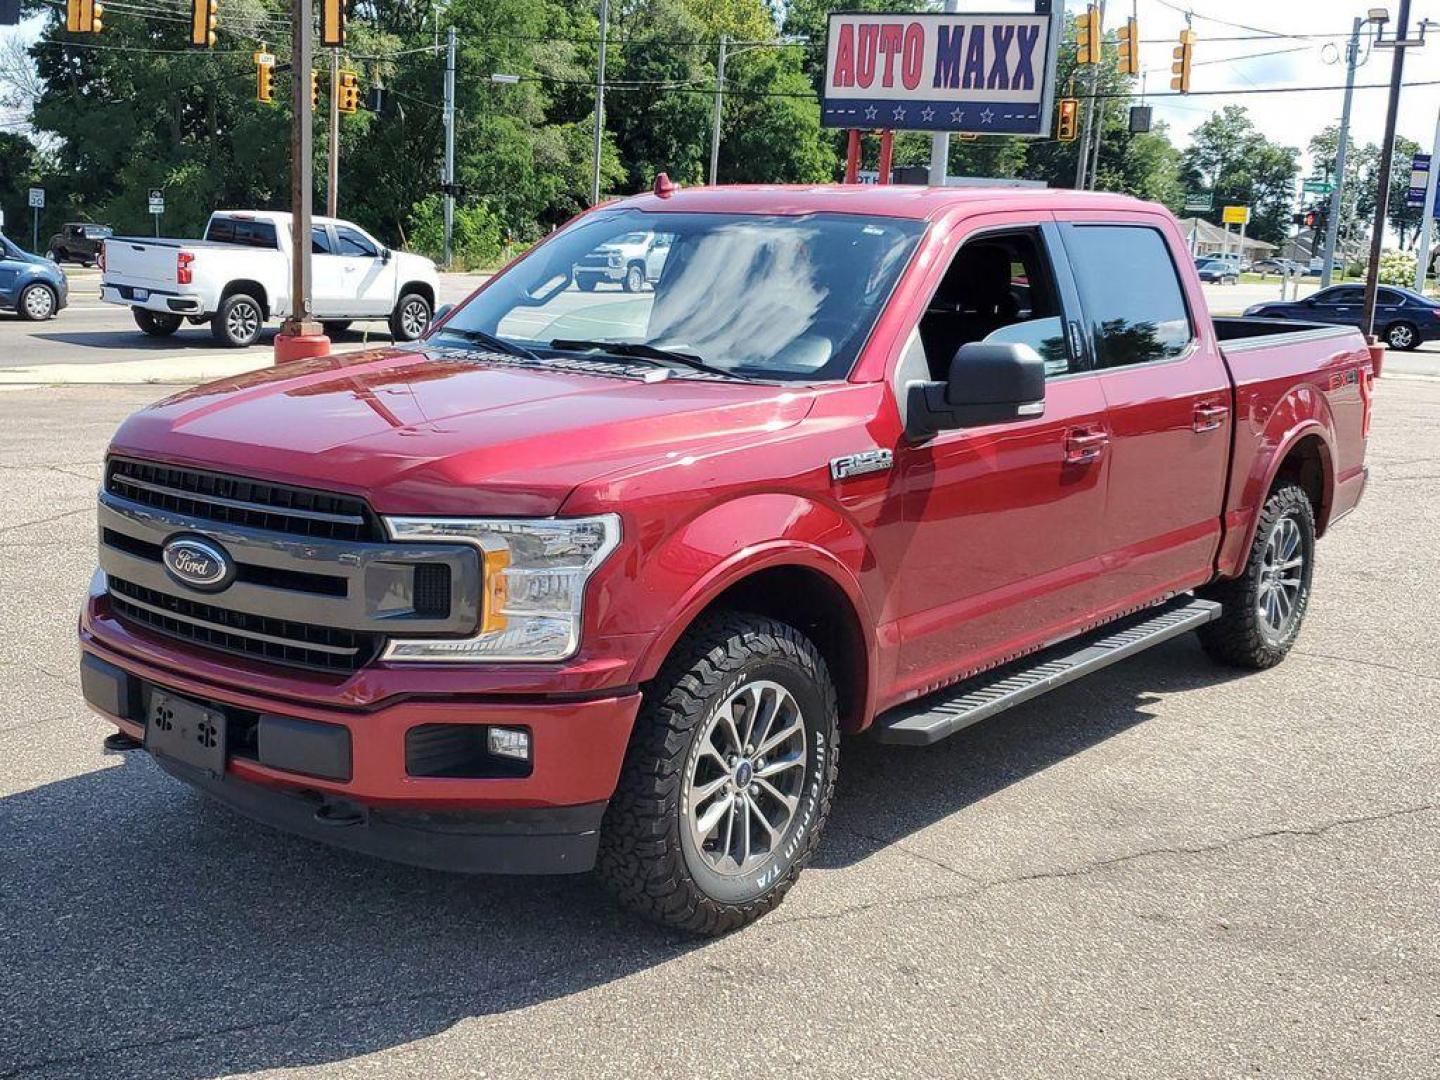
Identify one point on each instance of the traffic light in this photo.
(1088, 36)
(314, 90)
(204, 14)
(83, 16)
(1068, 126)
(264, 75)
(347, 93)
(1184, 54)
(1130, 47)
(332, 23)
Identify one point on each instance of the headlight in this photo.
(615, 258)
(534, 573)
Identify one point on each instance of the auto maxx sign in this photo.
(941, 72)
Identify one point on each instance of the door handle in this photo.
(1083, 445)
(1209, 417)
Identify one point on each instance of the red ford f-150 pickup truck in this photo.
(603, 578)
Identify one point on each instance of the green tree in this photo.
(1230, 156)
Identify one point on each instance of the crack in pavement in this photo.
(1359, 662)
(44, 521)
(987, 884)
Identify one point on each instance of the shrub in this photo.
(476, 242)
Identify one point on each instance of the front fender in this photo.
(727, 543)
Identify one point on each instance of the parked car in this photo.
(32, 287)
(1403, 318)
(1217, 270)
(238, 277)
(1317, 265)
(632, 261)
(603, 580)
(1283, 267)
(79, 242)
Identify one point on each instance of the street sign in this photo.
(157, 201)
(1318, 187)
(1236, 215)
(1419, 174)
(1200, 201)
(942, 71)
(37, 198)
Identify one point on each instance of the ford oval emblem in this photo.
(197, 563)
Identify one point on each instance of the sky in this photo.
(1304, 41)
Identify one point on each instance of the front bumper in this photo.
(168, 303)
(342, 776)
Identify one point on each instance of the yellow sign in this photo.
(1236, 215)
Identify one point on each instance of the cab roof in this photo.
(894, 200)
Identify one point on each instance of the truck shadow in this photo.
(188, 339)
(149, 932)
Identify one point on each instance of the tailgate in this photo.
(136, 262)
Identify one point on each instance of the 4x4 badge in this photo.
(867, 461)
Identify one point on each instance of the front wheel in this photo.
(410, 318)
(634, 278)
(36, 303)
(335, 328)
(728, 777)
(1264, 607)
(1402, 336)
(156, 323)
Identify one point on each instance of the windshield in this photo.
(761, 297)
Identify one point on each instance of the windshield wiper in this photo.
(490, 340)
(638, 350)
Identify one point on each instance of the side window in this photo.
(1391, 297)
(1341, 297)
(999, 289)
(1131, 293)
(350, 242)
(320, 241)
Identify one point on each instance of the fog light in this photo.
(510, 743)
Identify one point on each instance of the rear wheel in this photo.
(1265, 605)
(333, 328)
(156, 323)
(36, 302)
(53, 255)
(238, 320)
(1402, 336)
(727, 781)
(410, 318)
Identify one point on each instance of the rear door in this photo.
(328, 290)
(1168, 405)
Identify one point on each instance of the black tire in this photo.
(648, 857)
(54, 256)
(1242, 636)
(238, 320)
(156, 323)
(333, 327)
(1402, 336)
(411, 317)
(586, 282)
(37, 302)
(634, 278)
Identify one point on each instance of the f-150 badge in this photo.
(867, 461)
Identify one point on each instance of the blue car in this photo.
(31, 286)
(1403, 318)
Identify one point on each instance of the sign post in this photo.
(37, 203)
(968, 73)
(1428, 209)
(157, 207)
(1236, 215)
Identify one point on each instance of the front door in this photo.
(1341, 306)
(1168, 404)
(1005, 519)
(368, 274)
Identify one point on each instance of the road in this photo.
(1167, 870)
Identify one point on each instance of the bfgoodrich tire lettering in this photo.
(1265, 606)
(649, 855)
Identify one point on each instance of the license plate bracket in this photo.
(140, 294)
(186, 731)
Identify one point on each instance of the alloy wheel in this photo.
(242, 322)
(745, 782)
(1401, 337)
(1282, 577)
(414, 318)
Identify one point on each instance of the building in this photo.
(1205, 238)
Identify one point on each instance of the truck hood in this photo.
(434, 430)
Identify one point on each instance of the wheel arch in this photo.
(424, 288)
(246, 285)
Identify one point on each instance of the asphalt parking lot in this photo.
(1167, 870)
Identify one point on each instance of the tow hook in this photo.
(339, 814)
(117, 742)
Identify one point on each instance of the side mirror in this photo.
(988, 384)
(384, 254)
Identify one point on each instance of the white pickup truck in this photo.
(238, 277)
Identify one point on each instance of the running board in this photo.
(930, 719)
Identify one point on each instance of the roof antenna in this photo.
(664, 186)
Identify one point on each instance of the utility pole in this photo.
(1427, 212)
(599, 105)
(940, 141)
(719, 103)
(449, 141)
(1090, 110)
(1387, 161)
(1099, 135)
(332, 178)
(1332, 230)
(292, 343)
